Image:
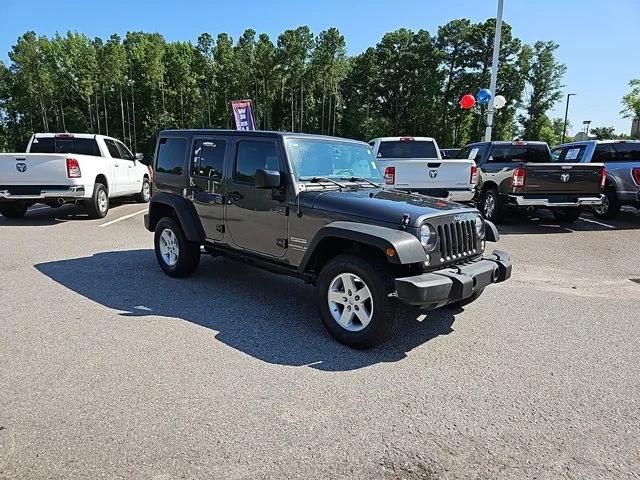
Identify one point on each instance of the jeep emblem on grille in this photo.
(564, 177)
(433, 173)
(21, 167)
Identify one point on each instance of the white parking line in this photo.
(122, 218)
(597, 223)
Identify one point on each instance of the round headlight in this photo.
(480, 227)
(428, 237)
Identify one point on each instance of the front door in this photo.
(134, 181)
(256, 218)
(207, 164)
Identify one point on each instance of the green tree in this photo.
(544, 88)
(604, 133)
(631, 101)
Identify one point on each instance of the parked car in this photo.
(313, 207)
(414, 164)
(61, 168)
(622, 161)
(521, 175)
(449, 153)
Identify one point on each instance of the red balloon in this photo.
(467, 101)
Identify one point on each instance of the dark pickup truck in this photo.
(522, 176)
(313, 207)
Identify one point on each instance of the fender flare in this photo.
(185, 212)
(408, 248)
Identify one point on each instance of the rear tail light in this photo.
(603, 178)
(636, 175)
(474, 175)
(73, 168)
(390, 175)
(519, 176)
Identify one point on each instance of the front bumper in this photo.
(593, 201)
(70, 192)
(435, 289)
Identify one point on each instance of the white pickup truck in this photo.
(415, 164)
(61, 168)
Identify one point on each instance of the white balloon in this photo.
(499, 102)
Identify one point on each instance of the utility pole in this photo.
(494, 70)
(566, 113)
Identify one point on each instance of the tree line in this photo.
(409, 83)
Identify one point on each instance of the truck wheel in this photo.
(98, 205)
(610, 207)
(177, 256)
(567, 215)
(145, 192)
(466, 301)
(13, 210)
(490, 205)
(355, 303)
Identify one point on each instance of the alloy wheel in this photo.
(169, 248)
(350, 302)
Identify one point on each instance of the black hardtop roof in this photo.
(251, 133)
(510, 142)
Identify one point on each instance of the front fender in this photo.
(408, 248)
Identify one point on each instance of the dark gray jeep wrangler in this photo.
(313, 207)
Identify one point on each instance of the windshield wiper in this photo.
(360, 179)
(323, 179)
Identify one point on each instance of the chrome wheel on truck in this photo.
(169, 248)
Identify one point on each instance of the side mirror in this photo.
(267, 179)
(139, 157)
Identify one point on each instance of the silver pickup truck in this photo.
(622, 161)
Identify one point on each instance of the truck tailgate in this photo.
(33, 169)
(431, 173)
(563, 178)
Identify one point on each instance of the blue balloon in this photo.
(484, 96)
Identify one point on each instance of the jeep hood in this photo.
(383, 205)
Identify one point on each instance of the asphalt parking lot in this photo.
(109, 369)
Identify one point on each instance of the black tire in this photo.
(14, 209)
(98, 205)
(567, 215)
(610, 206)
(187, 253)
(466, 301)
(491, 206)
(387, 313)
(145, 192)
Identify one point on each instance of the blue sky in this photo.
(598, 40)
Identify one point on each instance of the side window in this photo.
(113, 148)
(171, 153)
(627, 152)
(555, 154)
(208, 158)
(124, 151)
(254, 156)
(604, 153)
(464, 153)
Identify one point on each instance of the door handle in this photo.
(117, 164)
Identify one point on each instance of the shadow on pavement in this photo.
(270, 317)
(41, 215)
(543, 222)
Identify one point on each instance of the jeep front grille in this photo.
(457, 239)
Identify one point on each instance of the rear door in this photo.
(256, 218)
(208, 155)
(119, 169)
(620, 159)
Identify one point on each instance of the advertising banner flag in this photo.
(243, 114)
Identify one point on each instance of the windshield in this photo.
(80, 146)
(316, 157)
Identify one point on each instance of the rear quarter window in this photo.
(171, 155)
(407, 149)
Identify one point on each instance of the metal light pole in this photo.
(494, 70)
(566, 112)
